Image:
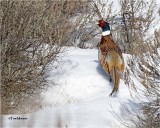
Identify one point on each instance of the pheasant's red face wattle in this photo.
(101, 23)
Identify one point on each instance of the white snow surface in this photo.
(81, 97)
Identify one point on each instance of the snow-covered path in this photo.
(81, 98)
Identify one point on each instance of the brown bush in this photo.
(32, 33)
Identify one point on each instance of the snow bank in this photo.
(81, 97)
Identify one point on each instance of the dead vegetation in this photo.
(144, 63)
(32, 34)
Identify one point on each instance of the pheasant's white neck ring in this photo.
(105, 33)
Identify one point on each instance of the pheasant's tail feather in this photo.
(116, 79)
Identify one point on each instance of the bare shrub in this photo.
(138, 18)
(137, 40)
(87, 33)
(32, 33)
(145, 67)
(150, 75)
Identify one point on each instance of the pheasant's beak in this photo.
(98, 24)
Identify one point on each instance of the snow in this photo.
(80, 98)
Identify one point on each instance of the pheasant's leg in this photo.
(112, 92)
(110, 79)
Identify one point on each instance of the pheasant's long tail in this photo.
(115, 78)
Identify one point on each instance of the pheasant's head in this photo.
(105, 27)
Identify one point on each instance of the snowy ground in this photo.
(80, 99)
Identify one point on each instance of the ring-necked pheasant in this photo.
(110, 55)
